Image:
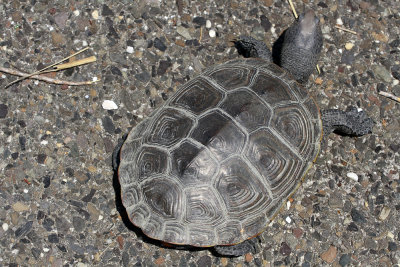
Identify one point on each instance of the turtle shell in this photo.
(215, 163)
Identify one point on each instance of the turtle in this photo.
(214, 164)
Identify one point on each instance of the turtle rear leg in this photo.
(247, 246)
(350, 122)
(247, 46)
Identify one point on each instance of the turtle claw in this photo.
(352, 122)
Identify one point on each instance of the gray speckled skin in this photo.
(350, 122)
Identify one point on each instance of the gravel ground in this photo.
(59, 198)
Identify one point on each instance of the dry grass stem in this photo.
(45, 70)
(42, 77)
(293, 9)
(388, 95)
(72, 64)
(346, 30)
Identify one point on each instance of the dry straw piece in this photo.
(388, 95)
(52, 68)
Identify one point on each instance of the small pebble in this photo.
(212, 33)
(352, 176)
(208, 24)
(248, 257)
(349, 46)
(390, 235)
(339, 21)
(5, 227)
(184, 32)
(329, 255)
(288, 219)
(19, 206)
(129, 49)
(3, 111)
(95, 14)
(392, 246)
(384, 213)
(77, 13)
(344, 260)
(285, 250)
(382, 73)
(109, 105)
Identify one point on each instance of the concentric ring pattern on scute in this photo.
(215, 163)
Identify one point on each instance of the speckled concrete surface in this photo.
(58, 194)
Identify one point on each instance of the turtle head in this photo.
(308, 31)
(302, 45)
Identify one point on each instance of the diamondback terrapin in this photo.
(214, 164)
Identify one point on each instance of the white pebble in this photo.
(339, 21)
(288, 219)
(46, 249)
(26, 191)
(84, 43)
(129, 49)
(288, 204)
(384, 213)
(352, 176)
(395, 82)
(390, 235)
(109, 104)
(76, 13)
(212, 33)
(44, 142)
(5, 227)
(94, 79)
(101, 217)
(208, 24)
(95, 14)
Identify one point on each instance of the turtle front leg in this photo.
(247, 46)
(247, 246)
(351, 122)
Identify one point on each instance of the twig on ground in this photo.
(293, 9)
(42, 77)
(344, 29)
(389, 95)
(55, 67)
